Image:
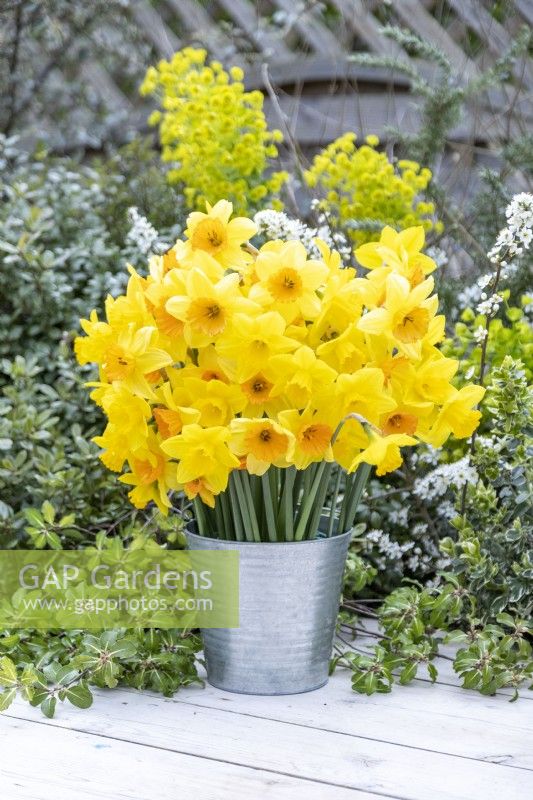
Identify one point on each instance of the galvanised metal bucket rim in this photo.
(230, 542)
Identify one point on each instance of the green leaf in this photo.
(6, 698)
(123, 648)
(79, 695)
(34, 517)
(8, 672)
(408, 673)
(53, 540)
(48, 706)
(48, 512)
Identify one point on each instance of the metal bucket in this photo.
(289, 600)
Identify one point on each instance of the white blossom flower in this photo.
(438, 481)
(490, 305)
(278, 225)
(480, 334)
(142, 233)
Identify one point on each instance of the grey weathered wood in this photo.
(309, 26)
(319, 119)
(246, 17)
(105, 86)
(525, 7)
(413, 14)
(195, 19)
(324, 70)
(43, 762)
(162, 37)
(419, 742)
(496, 38)
(367, 28)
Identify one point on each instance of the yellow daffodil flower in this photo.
(206, 309)
(383, 452)
(457, 415)
(289, 280)
(250, 341)
(219, 236)
(220, 360)
(202, 453)
(262, 442)
(398, 252)
(300, 375)
(312, 436)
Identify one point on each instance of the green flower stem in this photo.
(245, 478)
(223, 532)
(268, 485)
(273, 477)
(201, 520)
(308, 502)
(361, 477)
(226, 516)
(286, 511)
(320, 499)
(334, 498)
(297, 488)
(243, 507)
(235, 511)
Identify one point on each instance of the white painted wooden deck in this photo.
(421, 742)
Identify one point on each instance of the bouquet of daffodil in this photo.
(265, 384)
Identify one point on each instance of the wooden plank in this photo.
(197, 21)
(493, 34)
(162, 37)
(525, 7)
(318, 756)
(256, 28)
(108, 91)
(422, 716)
(44, 762)
(312, 30)
(413, 14)
(318, 120)
(367, 28)
(321, 69)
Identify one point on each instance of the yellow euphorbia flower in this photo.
(289, 280)
(263, 442)
(203, 453)
(219, 236)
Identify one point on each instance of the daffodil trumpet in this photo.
(265, 384)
